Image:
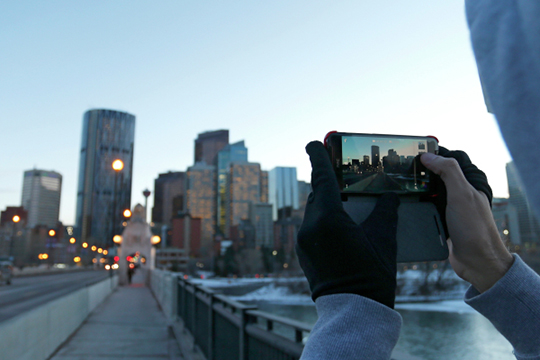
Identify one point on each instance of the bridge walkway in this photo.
(128, 325)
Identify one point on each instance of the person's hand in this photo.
(477, 253)
(339, 256)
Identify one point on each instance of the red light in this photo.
(202, 276)
(132, 266)
(185, 277)
(116, 258)
(129, 258)
(256, 276)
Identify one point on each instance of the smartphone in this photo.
(377, 163)
(368, 165)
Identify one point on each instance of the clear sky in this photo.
(277, 74)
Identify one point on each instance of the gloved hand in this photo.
(338, 255)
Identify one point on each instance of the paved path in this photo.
(127, 325)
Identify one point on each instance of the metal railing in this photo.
(225, 329)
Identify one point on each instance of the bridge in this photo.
(160, 315)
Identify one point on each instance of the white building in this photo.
(41, 197)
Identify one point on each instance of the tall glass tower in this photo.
(232, 153)
(104, 193)
(282, 189)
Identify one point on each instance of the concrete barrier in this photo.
(164, 285)
(36, 334)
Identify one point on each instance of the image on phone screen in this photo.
(377, 165)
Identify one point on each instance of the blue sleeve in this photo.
(505, 37)
(513, 307)
(352, 327)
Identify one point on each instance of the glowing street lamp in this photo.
(72, 240)
(117, 165)
(117, 239)
(105, 252)
(16, 219)
(52, 232)
(127, 213)
(94, 248)
(155, 240)
(76, 259)
(84, 245)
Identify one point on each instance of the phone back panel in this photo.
(420, 234)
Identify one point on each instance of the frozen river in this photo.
(444, 330)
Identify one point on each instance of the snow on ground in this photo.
(275, 294)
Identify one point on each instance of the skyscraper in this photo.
(529, 226)
(282, 190)
(243, 188)
(261, 218)
(104, 193)
(236, 153)
(169, 196)
(375, 156)
(208, 144)
(41, 197)
(201, 200)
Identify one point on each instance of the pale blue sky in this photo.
(277, 74)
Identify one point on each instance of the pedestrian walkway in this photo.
(127, 325)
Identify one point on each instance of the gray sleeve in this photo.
(513, 307)
(352, 327)
(505, 37)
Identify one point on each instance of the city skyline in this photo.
(278, 78)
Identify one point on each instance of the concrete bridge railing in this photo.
(36, 334)
(221, 328)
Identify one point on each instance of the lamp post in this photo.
(117, 166)
(15, 220)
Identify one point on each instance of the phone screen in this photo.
(374, 164)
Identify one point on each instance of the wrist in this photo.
(492, 271)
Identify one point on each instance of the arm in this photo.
(351, 269)
(505, 37)
(352, 327)
(503, 288)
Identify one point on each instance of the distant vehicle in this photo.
(6, 271)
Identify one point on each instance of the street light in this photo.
(84, 245)
(155, 240)
(15, 219)
(127, 213)
(117, 239)
(52, 232)
(117, 166)
(72, 240)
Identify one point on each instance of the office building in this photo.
(236, 153)
(208, 144)
(41, 197)
(529, 226)
(506, 220)
(104, 193)
(201, 201)
(283, 190)
(375, 156)
(261, 218)
(169, 196)
(186, 234)
(243, 188)
(304, 189)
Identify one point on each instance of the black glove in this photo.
(476, 177)
(339, 256)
